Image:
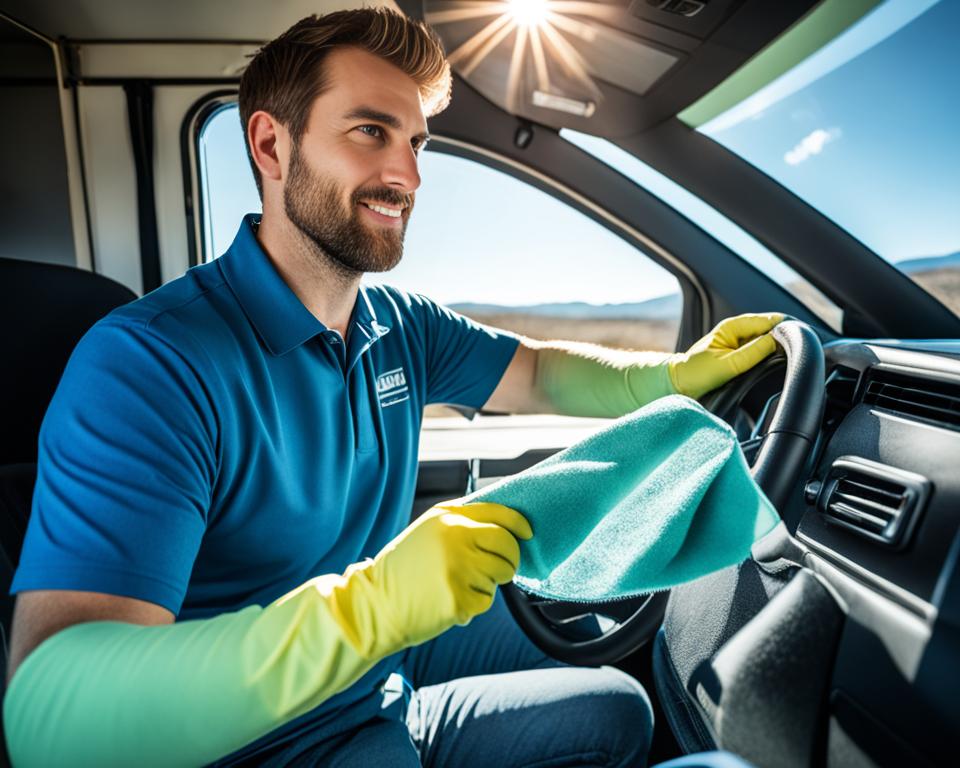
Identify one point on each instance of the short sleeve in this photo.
(465, 359)
(127, 462)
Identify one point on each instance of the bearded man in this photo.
(220, 566)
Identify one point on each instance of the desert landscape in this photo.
(944, 284)
(654, 325)
(621, 333)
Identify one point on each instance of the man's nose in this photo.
(400, 171)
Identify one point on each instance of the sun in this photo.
(529, 13)
(536, 28)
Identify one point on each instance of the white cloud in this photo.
(810, 145)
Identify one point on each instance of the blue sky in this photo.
(866, 130)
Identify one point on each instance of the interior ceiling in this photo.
(611, 68)
(208, 20)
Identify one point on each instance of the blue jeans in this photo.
(484, 695)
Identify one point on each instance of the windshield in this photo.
(710, 221)
(865, 130)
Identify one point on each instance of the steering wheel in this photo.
(780, 458)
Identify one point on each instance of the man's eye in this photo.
(371, 130)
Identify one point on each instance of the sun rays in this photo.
(538, 45)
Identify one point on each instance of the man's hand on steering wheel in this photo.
(734, 346)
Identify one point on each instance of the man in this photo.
(217, 471)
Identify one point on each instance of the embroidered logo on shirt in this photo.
(392, 388)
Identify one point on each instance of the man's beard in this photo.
(314, 204)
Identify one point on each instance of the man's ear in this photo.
(269, 143)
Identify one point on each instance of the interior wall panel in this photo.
(111, 184)
(171, 104)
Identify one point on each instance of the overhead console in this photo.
(610, 68)
(697, 18)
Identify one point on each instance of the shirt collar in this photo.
(274, 310)
(365, 330)
(365, 317)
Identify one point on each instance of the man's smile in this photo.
(384, 214)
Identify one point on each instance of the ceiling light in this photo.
(529, 13)
(563, 104)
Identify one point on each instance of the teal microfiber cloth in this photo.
(660, 497)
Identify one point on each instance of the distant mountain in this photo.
(661, 308)
(926, 263)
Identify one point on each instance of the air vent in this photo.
(876, 501)
(937, 401)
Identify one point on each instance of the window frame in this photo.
(191, 130)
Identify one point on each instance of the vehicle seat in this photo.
(44, 310)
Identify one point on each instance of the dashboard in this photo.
(879, 519)
(839, 644)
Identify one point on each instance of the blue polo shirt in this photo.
(213, 445)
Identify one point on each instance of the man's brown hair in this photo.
(287, 74)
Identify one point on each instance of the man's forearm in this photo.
(109, 693)
(579, 379)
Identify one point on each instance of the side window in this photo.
(509, 255)
(226, 182)
(489, 246)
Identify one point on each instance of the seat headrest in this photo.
(44, 310)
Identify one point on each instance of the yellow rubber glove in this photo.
(588, 380)
(735, 345)
(107, 693)
(443, 569)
